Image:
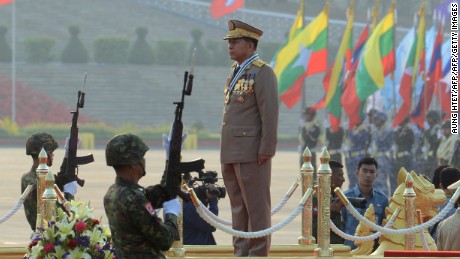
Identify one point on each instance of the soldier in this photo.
(431, 140)
(358, 140)
(309, 134)
(137, 231)
(334, 141)
(34, 144)
(381, 146)
(404, 140)
(249, 137)
(445, 150)
(455, 161)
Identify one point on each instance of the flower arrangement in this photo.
(73, 235)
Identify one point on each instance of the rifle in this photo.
(70, 164)
(174, 168)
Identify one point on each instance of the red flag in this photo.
(220, 8)
(5, 2)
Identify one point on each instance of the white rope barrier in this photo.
(403, 231)
(363, 238)
(280, 205)
(243, 234)
(202, 212)
(18, 204)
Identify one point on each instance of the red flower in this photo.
(48, 247)
(34, 243)
(80, 226)
(72, 244)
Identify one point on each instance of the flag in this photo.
(415, 65)
(433, 77)
(304, 55)
(444, 84)
(392, 83)
(349, 100)
(221, 8)
(295, 29)
(5, 2)
(333, 81)
(377, 59)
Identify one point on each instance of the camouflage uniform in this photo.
(137, 232)
(33, 147)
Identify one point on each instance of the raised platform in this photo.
(277, 251)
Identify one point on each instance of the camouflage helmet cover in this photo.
(40, 140)
(125, 149)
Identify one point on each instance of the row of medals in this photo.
(243, 86)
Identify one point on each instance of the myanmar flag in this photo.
(5, 2)
(304, 55)
(333, 81)
(415, 65)
(377, 59)
(350, 101)
(221, 8)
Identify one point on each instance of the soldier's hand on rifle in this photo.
(167, 140)
(66, 146)
(70, 187)
(172, 207)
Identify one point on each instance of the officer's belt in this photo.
(387, 153)
(402, 153)
(356, 153)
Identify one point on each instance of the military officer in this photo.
(404, 140)
(382, 141)
(309, 134)
(137, 231)
(249, 137)
(358, 140)
(334, 141)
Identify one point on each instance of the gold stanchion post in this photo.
(49, 198)
(307, 182)
(42, 171)
(409, 201)
(324, 206)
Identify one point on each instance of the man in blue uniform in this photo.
(366, 174)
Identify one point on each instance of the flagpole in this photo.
(393, 79)
(13, 64)
(374, 23)
(302, 5)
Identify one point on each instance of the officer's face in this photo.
(239, 49)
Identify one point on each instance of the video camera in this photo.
(207, 178)
(359, 203)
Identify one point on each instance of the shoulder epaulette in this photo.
(258, 62)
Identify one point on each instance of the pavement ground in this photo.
(15, 231)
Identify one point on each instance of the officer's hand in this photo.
(167, 141)
(172, 207)
(263, 159)
(66, 146)
(71, 187)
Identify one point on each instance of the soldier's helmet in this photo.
(40, 140)
(125, 149)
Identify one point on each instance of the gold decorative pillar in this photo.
(324, 206)
(409, 202)
(49, 198)
(307, 182)
(177, 248)
(42, 171)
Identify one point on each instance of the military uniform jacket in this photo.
(250, 118)
(136, 230)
